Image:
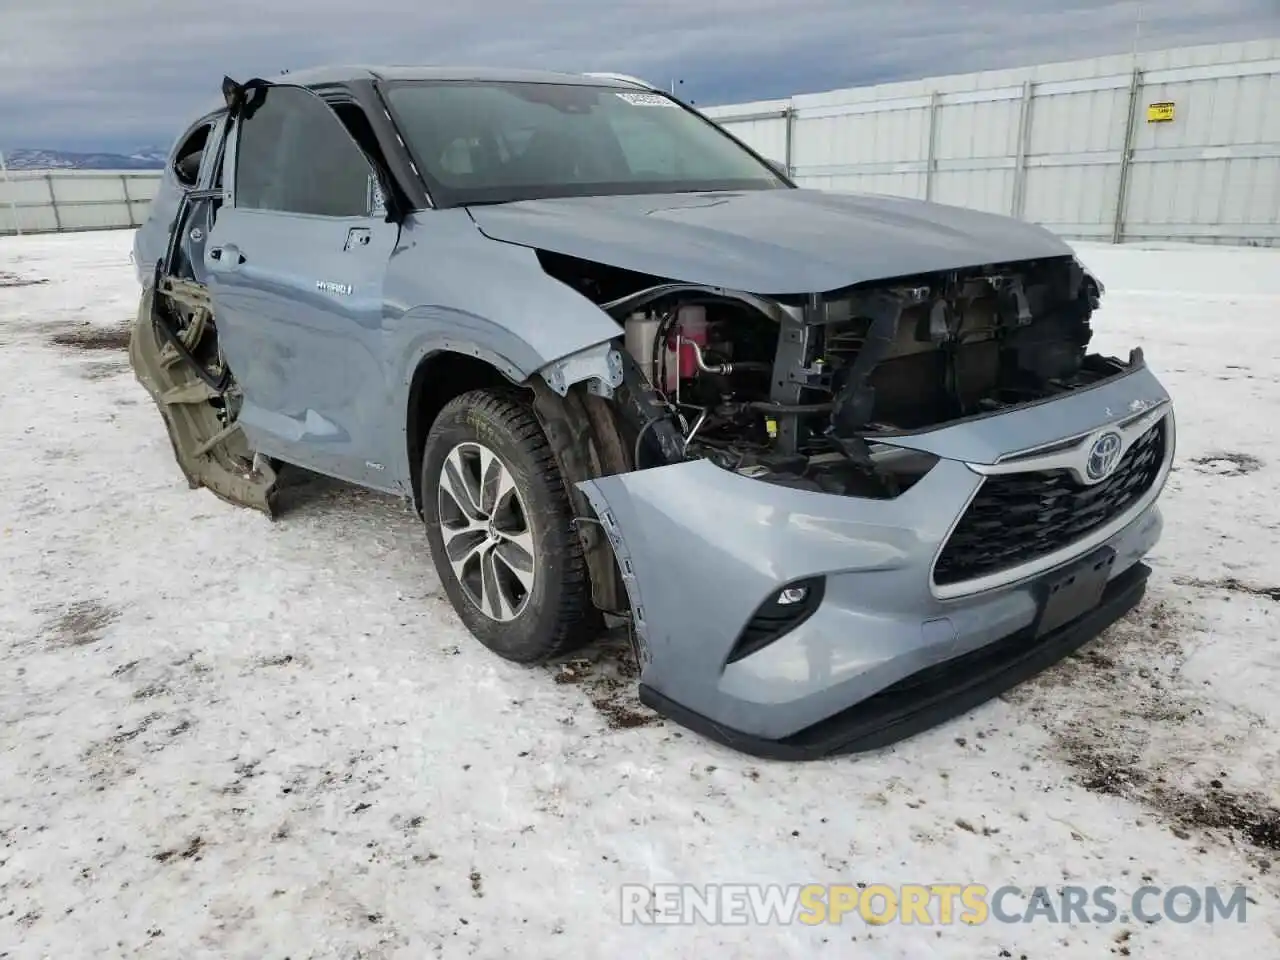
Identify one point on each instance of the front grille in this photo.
(1016, 518)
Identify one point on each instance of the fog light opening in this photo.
(780, 613)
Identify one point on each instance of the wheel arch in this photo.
(469, 353)
(580, 426)
(438, 377)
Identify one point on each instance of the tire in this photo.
(525, 609)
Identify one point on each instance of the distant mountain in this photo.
(145, 158)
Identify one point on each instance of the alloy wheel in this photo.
(485, 528)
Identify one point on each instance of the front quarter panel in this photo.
(450, 288)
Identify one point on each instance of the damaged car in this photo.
(845, 465)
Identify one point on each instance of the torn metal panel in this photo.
(207, 442)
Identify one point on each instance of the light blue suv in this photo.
(843, 464)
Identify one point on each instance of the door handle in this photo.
(228, 255)
(357, 237)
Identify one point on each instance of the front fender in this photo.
(464, 293)
(467, 293)
(431, 330)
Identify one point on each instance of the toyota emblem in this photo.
(1103, 456)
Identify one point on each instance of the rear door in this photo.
(187, 170)
(296, 263)
(205, 202)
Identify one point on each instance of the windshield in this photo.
(492, 142)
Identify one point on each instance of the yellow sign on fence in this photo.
(1160, 112)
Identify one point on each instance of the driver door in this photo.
(296, 265)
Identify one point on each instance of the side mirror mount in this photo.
(243, 98)
(384, 199)
(779, 168)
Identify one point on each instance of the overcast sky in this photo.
(120, 74)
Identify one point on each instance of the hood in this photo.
(768, 241)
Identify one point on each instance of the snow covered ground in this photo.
(222, 736)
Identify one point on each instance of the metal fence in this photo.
(49, 201)
(1170, 145)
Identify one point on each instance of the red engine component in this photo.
(690, 328)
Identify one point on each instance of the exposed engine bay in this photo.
(797, 391)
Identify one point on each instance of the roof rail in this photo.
(623, 77)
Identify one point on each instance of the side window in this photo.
(295, 156)
(186, 161)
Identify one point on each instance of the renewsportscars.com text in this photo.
(925, 904)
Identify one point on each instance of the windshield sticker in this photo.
(646, 100)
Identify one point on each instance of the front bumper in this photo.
(885, 653)
(929, 697)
